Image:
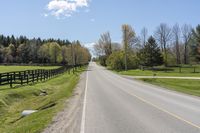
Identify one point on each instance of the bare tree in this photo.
(98, 49)
(176, 36)
(128, 39)
(106, 42)
(144, 35)
(187, 33)
(163, 36)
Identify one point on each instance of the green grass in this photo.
(186, 72)
(14, 101)
(191, 87)
(4, 69)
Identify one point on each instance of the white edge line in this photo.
(82, 130)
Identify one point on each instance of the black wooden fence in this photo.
(31, 76)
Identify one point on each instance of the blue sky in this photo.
(85, 20)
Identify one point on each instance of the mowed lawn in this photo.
(185, 72)
(14, 101)
(4, 69)
(187, 86)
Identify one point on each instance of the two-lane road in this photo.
(114, 104)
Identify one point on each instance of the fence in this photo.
(31, 76)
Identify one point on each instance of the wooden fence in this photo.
(31, 76)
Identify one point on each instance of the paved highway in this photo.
(114, 104)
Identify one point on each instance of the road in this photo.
(114, 104)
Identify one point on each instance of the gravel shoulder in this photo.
(69, 119)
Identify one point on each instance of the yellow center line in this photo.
(164, 110)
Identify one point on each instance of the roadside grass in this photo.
(187, 86)
(14, 101)
(191, 87)
(185, 72)
(4, 69)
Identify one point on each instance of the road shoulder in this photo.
(69, 119)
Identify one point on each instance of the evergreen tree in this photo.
(196, 47)
(150, 54)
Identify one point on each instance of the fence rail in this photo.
(31, 76)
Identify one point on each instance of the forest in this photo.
(21, 50)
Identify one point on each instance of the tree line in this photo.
(42, 51)
(168, 46)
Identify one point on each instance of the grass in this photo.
(14, 101)
(4, 69)
(185, 72)
(191, 87)
(186, 86)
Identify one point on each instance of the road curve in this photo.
(114, 104)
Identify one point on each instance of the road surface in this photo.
(114, 104)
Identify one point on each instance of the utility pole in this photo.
(125, 48)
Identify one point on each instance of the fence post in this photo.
(14, 76)
(0, 78)
(194, 69)
(33, 76)
(20, 78)
(11, 78)
(27, 77)
(37, 75)
(24, 77)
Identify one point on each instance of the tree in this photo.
(23, 53)
(151, 55)
(176, 32)
(144, 35)
(128, 39)
(187, 34)
(196, 39)
(44, 53)
(163, 36)
(106, 43)
(55, 52)
(64, 50)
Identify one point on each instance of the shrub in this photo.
(116, 61)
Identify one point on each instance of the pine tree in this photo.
(196, 38)
(150, 54)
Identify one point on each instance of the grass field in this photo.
(4, 69)
(191, 87)
(14, 101)
(185, 72)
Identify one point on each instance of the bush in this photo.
(116, 61)
(102, 60)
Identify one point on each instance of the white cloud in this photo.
(65, 8)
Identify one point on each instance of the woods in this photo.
(167, 46)
(50, 51)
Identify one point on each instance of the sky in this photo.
(85, 20)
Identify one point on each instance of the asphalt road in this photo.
(114, 104)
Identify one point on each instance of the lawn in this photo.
(191, 87)
(185, 72)
(187, 86)
(14, 101)
(4, 69)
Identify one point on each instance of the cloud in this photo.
(65, 8)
